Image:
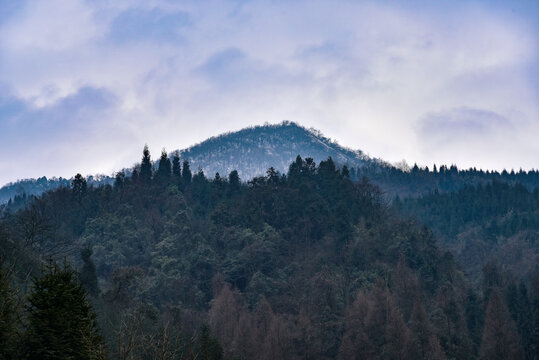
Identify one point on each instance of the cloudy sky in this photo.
(85, 84)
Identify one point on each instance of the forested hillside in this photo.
(252, 151)
(417, 181)
(496, 222)
(302, 265)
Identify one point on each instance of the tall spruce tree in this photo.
(146, 165)
(164, 169)
(176, 169)
(79, 186)
(186, 173)
(61, 321)
(234, 180)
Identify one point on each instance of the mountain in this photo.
(252, 151)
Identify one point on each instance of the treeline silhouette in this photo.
(304, 265)
(417, 181)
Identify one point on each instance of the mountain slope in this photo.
(252, 151)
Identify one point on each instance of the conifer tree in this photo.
(176, 170)
(164, 169)
(295, 168)
(272, 176)
(135, 175)
(119, 179)
(61, 322)
(345, 172)
(234, 180)
(186, 172)
(79, 186)
(145, 165)
(327, 168)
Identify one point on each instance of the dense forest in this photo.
(171, 264)
(418, 181)
(494, 222)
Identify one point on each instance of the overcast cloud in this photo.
(85, 84)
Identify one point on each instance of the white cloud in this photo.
(365, 73)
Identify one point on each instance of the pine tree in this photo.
(61, 322)
(234, 180)
(164, 169)
(327, 169)
(186, 173)
(135, 175)
(345, 172)
(176, 170)
(295, 168)
(119, 179)
(79, 186)
(146, 165)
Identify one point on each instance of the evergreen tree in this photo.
(164, 169)
(146, 165)
(79, 186)
(345, 172)
(234, 180)
(176, 170)
(273, 176)
(295, 168)
(327, 168)
(135, 175)
(61, 322)
(119, 179)
(186, 173)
